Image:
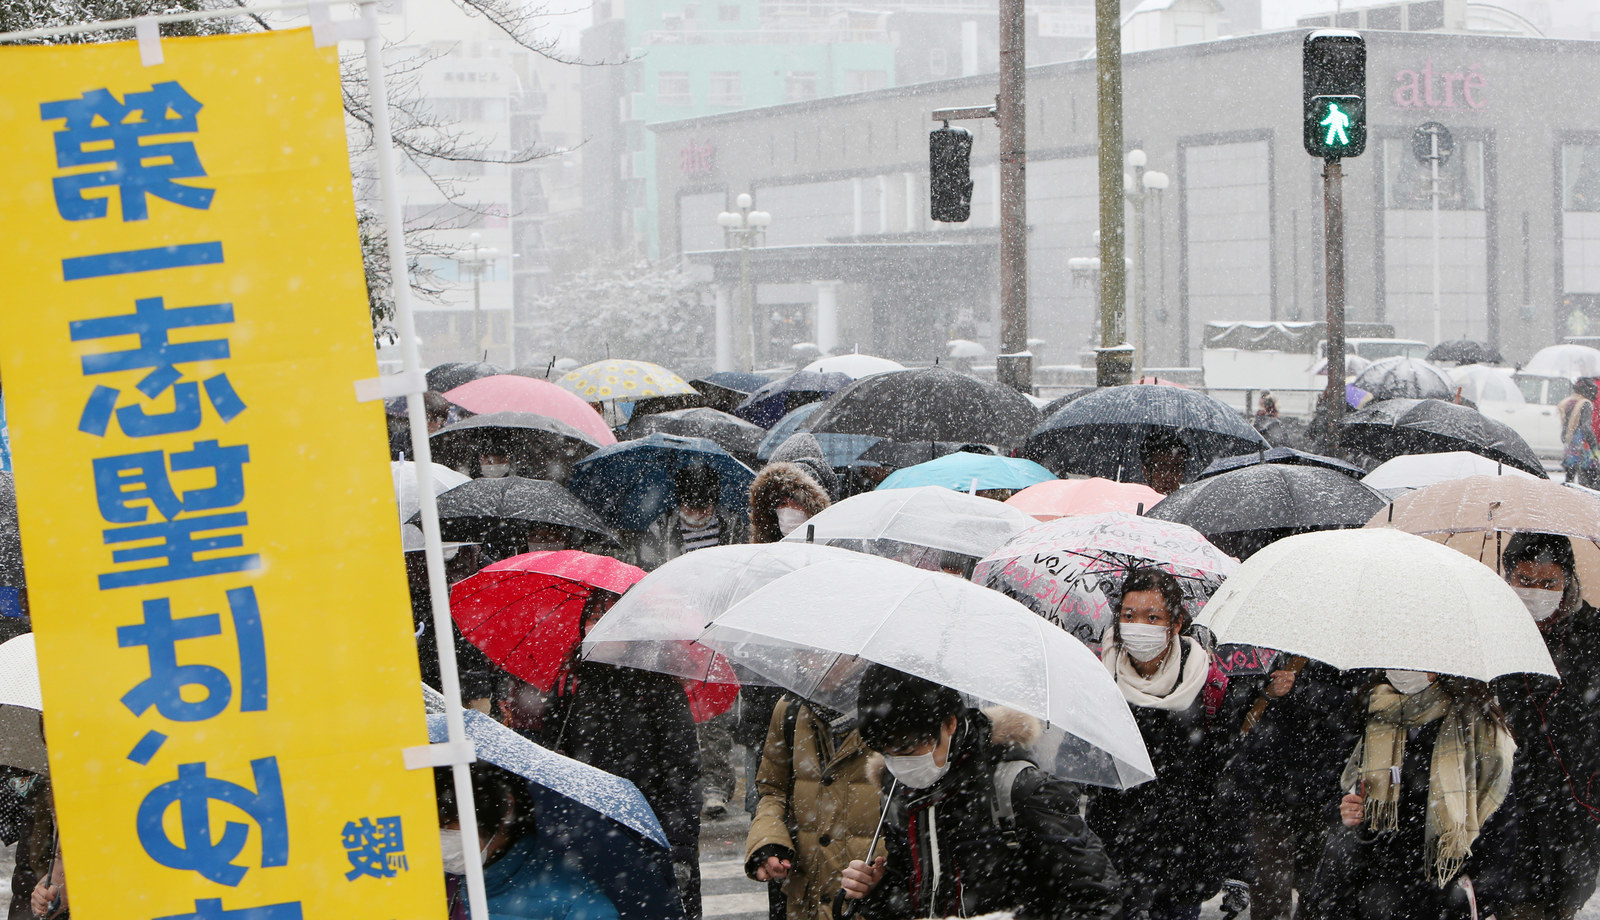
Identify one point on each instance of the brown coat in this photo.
(828, 820)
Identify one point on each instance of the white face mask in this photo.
(1407, 682)
(1541, 602)
(455, 854)
(495, 470)
(1144, 641)
(790, 519)
(695, 521)
(917, 770)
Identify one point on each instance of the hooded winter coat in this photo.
(950, 853)
(780, 482)
(804, 449)
(818, 807)
(1165, 835)
(1557, 769)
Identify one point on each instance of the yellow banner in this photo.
(214, 569)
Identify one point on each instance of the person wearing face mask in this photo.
(524, 877)
(695, 520)
(783, 498)
(1428, 830)
(1557, 726)
(1166, 835)
(953, 773)
(493, 464)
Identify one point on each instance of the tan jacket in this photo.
(831, 816)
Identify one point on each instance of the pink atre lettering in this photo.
(1430, 88)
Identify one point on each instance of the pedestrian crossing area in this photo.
(726, 894)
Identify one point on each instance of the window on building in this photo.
(727, 88)
(729, 12)
(938, 62)
(861, 81)
(691, 11)
(672, 88)
(1580, 219)
(1408, 247)
(799, 86)
(1407, 181)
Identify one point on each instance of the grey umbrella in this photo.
(1405, 378)
(928, 404)
(1244, 509)
(499, 512)
(732, 434)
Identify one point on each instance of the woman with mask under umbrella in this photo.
(1165, 835)
(1557, 768)
(1425, 835)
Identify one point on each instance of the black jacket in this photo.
(637, 725)
(1296, 751)
(1557, 770)
(1044, 864)
(1171, 836)
(1385, 876)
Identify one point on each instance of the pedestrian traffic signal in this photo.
(950, 174)
(1335, 94)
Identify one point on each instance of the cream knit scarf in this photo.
(1173, 686)
(1467, 780)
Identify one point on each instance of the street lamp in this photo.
(478, 264)
(1137, 186)
(746, 228)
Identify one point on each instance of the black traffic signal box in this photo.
(950, 174)
(1335, 94)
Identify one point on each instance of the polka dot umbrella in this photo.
(629, 380)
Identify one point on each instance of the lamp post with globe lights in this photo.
(745, 228)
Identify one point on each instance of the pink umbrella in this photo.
(1061, 498)
(514, 393)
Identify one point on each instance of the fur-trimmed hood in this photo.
(1007, 727)
(778, 483)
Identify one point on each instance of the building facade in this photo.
(1237, 234)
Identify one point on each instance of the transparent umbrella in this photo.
(946, 630)
(915, 525)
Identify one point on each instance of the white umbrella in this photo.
(21, 707)
(1417, 471)
(965, 348)
(1483, 383)
(813, 631)
(405, 484)
(654, 625)
(1378, 599)
(856, 366)
(1569, 361)
(888, 522)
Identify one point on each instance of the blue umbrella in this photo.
(1281, 455)
(961, 470)
(775, 400)
(1100, 433)
(612, 796)
(631, 484)
(840, 450)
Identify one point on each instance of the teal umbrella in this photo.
(967, 472)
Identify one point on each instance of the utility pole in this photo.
(1114, 359)
(1333, 239)
(1014, 365)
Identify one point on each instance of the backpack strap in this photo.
(1006, 774)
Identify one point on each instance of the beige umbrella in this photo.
(1476, 514)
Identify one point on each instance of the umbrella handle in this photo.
(844, 908)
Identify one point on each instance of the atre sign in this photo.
(1435, 88)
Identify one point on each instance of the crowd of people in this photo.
(1301, 792)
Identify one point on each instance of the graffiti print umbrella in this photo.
(1070, 571)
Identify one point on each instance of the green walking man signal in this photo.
(1335, 94)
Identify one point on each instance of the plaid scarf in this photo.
(1467, 781)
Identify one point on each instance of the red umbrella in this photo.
(526, 614)
(514, 393)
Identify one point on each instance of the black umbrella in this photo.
(1244, 509)
(773, 401)
(13, 585)
(452, 374)
(1465, 351)
(1100, 433)
(928, 404)
(1284, 455)
(1054, 405)
(498, 512)
(1395, 427)
(734, 435)
(898, 456)
(1405, 378)
(727, 389)
(530, 441)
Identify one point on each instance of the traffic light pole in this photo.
(1114, 359)
(1014, 365)
(1333, 236)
